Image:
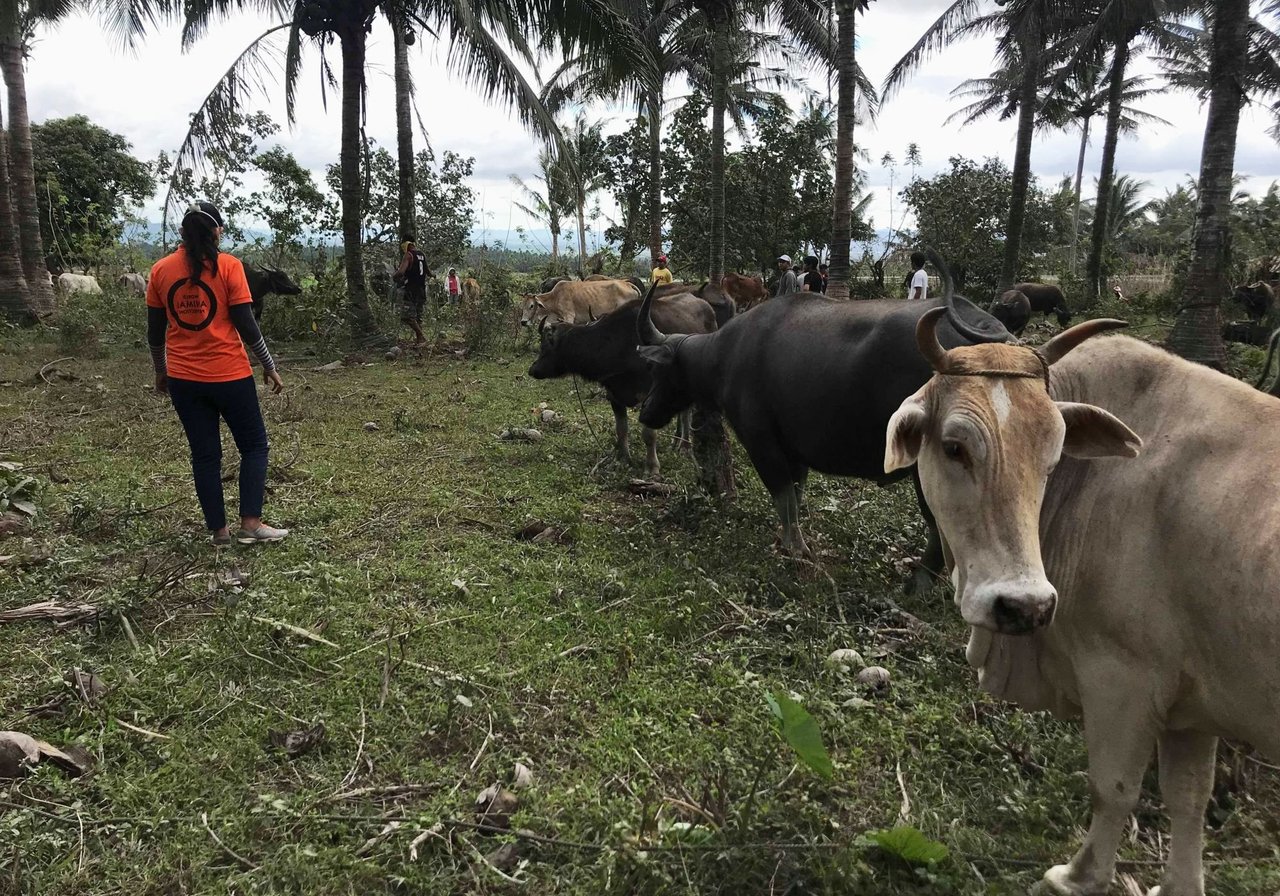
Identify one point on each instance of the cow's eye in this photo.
(953, 449)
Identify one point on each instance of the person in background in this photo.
(413, 273)
(199, 320)
(661, 273)
(787, 284)
(812, 279)
(917, 280)
(822, 270)
(453, 286)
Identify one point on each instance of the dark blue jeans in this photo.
(200, 407)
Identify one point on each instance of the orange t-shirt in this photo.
(201, 342)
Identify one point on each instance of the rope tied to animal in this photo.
(1042, 373)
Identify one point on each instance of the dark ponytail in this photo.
(200, 237)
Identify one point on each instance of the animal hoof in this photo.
(1057, 882)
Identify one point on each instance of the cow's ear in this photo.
(658, 354)
(905, 434)
(1093, 432)
(538, 302)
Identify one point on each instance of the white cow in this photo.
(79, 283)
(133, 282)
(1139, 592)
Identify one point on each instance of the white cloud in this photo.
(148, 96)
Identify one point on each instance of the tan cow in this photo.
(1139, 592)
(470, 291)
(575, 301)
(746, 292)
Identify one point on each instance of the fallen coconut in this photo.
(371, 427)
(845, 659)
(875, 679)
(523, 777)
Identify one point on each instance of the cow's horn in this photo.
(927, 339)
(1056, 348)
(645, 330)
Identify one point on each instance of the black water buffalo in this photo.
(1044, 298)
(268, 280)
(604, 351)
(1258, 300)
(1013, 309)
(549, 283)
(809, 382)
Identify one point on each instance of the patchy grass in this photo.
(625, 662)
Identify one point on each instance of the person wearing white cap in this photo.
(788, 284)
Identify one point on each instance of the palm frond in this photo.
(212, 125)
(937, 36)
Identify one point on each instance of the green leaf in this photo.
(908, 844)
(799, 729)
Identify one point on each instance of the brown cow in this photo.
(471, 291)
(745, 291)
(575, 301)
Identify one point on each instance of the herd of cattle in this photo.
(1108, 493)
(262, 282)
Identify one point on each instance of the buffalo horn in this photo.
(927, 339)
(949, 294)
(645, 330)
(1056, 348)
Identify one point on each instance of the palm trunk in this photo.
(841, 226)
(1075, 216)
(22, 181)
(1197, 332)
(582, 235)
(404, 133)
(555, 247)
(719, 100)
(14, 295)
(1093, 272)
(655, 177)
(1021, 160)
(353, 47)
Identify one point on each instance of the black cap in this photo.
(205, 210)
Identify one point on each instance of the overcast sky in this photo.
(147, 97)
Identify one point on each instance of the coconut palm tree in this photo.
(1071, 101)
(1024, 29)
(15, 302)
(474, 34)
(580, 173)
(804, 21)
(403, 37)
(550, 204)
(1232, 33)
(853, 86)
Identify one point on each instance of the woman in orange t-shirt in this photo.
(199, 320)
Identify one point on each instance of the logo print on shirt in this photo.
(191, 304)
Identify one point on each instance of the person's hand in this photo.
(162, 384)
(272, 378)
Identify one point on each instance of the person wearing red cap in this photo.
(199, 320)
(661, 274)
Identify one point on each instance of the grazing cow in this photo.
(745, 291)
(85, 283)
(133, 282)
(1045, 297)
(575, 301)
(268, 280)
(1258, 299)
(604, 351)
(471, 291)
(1140, 593)
(807, 382)
(1013, 309)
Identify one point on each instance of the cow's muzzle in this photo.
(1011, 609)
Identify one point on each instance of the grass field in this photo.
(623, 659)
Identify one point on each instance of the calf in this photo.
(745, 291)
(471, 291)
(1137, 592)
(1258, 300)
(1013, 309)
(604, 352)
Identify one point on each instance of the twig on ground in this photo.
(143, 731)
(50, 365)
(350, 776)
(369, 845)
(245, 863)
(294, 630)
(392, 790)
(904, 811)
